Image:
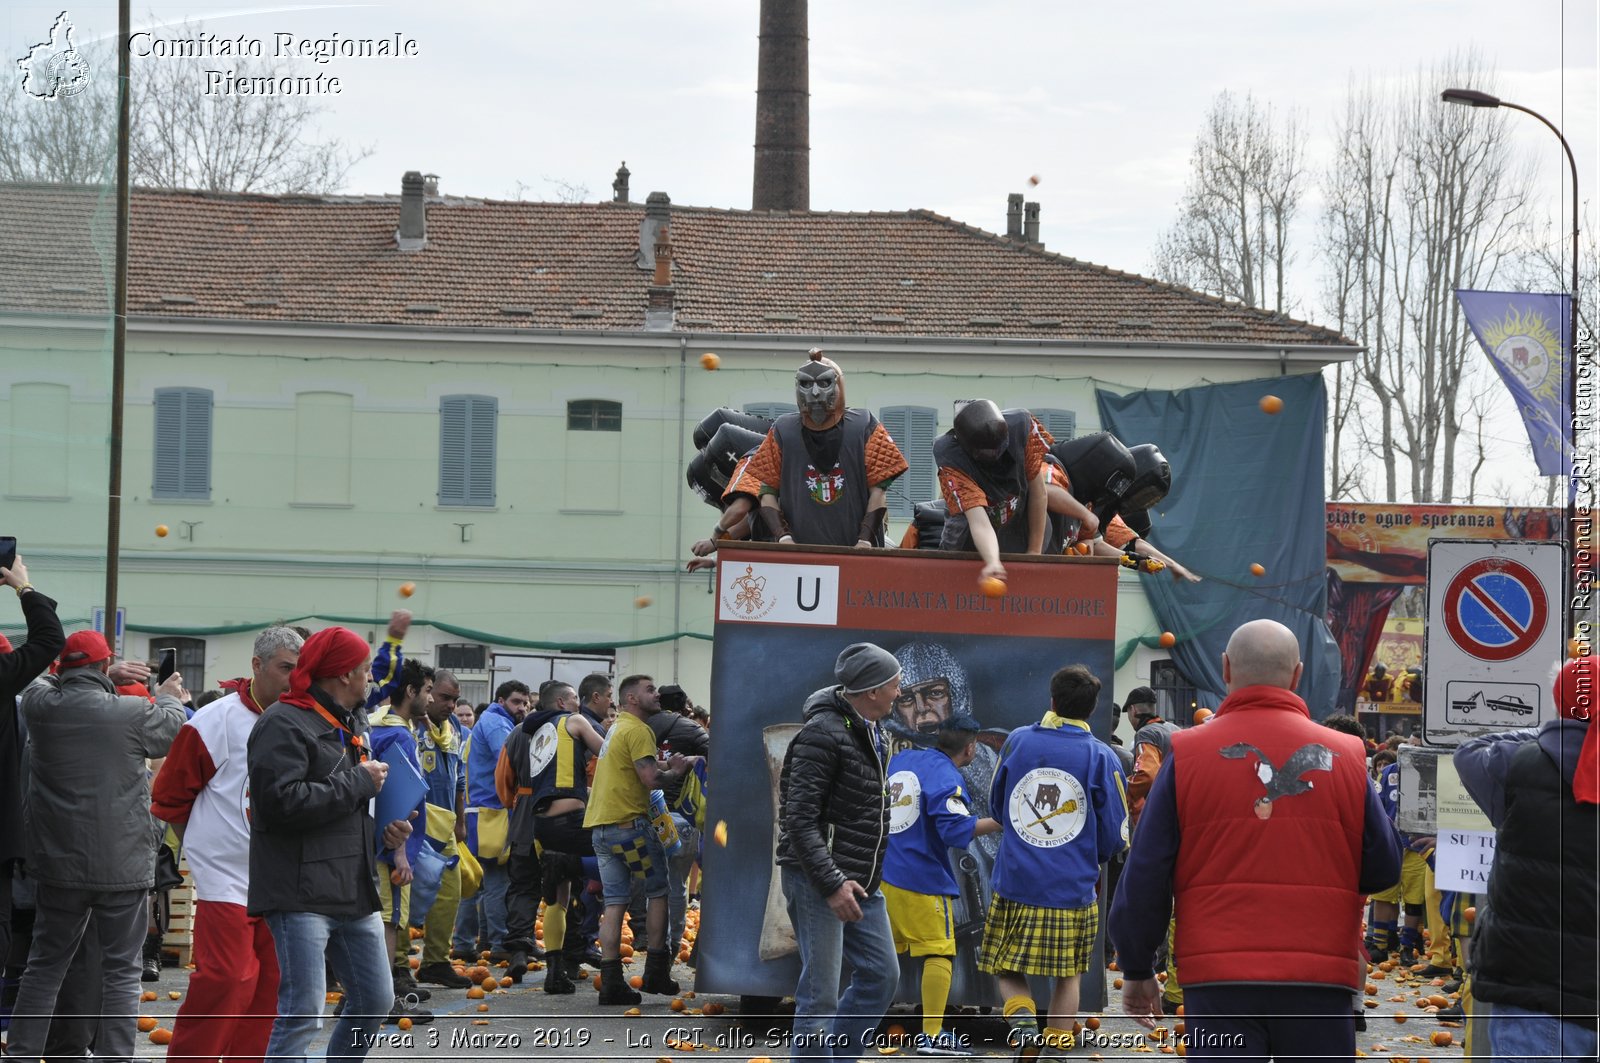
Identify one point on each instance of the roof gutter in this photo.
(786, 342)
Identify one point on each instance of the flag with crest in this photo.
(1525, 336)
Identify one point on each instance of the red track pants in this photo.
(233, 993)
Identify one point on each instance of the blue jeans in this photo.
(360, 960)
(483, 916)
(629, 851)
(1507, 1032)
(830, 1025)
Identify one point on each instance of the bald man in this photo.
(1262, 837)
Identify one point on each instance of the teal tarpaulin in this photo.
(1247, 488)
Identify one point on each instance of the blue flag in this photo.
(1525, 336)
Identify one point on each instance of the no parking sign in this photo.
(1494, 636)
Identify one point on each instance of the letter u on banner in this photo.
(800, 593)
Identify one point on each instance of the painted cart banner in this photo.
(783, 615)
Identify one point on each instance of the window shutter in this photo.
(196, 443)
(467, 450)
(481, 414)
(1063, 424)
(913, 429)
(182, 443)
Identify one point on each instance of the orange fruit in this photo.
(415, 963)
(1271, 404)
(147, 995)
(709, 361)
(597, 981)
(407, 589)
(1092, 1022)
(627, 952)
(1471, 914)
(483, 1007)
(633, 1011)
(1439, 1000)
(713, 1008)
(1117, 984)
(1112, 966)
(174, 995)
(148, 1023)
(1371, 988)
(162, 531)
(161, 1036)
(1258, 570)
(1167, 640)
(677, 1004)
(637, 981)
(476, 992)
(1400, 1016)
(404, 1023)
(1369, 1002)
(992, 587)
(505, 982)
(1161, 976)
(1441, 1038)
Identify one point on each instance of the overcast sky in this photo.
(935, 104)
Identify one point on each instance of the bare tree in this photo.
(180, 136)
(1424, 199)
(1232, 233)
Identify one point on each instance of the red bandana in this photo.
(331, 652)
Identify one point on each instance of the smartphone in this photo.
(169, 664)
(8, 551)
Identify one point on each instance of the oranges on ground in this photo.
(161, 1036)
(148, 1023)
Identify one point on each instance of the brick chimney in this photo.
(1014, 216)
(783, 109)
(657, 213)
(413, 232)
(658, 314)
(619, 187)
(1030, 223)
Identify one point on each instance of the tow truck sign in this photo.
(1493, 636)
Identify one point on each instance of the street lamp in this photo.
(1474, 98)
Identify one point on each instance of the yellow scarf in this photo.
(444, 736)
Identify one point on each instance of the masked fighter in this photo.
(822, 473)
(993, 478)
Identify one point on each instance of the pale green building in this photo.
(329, 397)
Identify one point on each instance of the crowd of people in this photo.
(340, 796)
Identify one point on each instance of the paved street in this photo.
(522, 1022)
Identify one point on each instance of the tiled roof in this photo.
(501, 265)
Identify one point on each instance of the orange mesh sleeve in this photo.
(763, 469)
(959, 491)
(1117, 533)
(1034, 457)
(884, 460)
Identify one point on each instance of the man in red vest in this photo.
(1263, 837)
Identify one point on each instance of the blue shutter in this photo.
(1063, 424)
(467, 450)
(182, 443)
(913, 429)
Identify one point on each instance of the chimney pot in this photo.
(430, 184)
(1030, 223)
(619, 187)
(663, 276)
(413, 232)
(657, 213)
(1014, 215)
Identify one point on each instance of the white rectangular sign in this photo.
(1462, 860)
(755, 592)
(1494, 636)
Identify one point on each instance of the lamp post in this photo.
(1473, 98)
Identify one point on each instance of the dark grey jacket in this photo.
(833, 800)
(86, 815)
(311, 836)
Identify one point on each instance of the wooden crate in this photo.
(179, 938)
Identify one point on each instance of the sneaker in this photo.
(1408, 957)
(406, 1009)
(406, 986)
(442, 974)
(152, 969)
(1454, 1013)
(1435, 971)
(948, 1043)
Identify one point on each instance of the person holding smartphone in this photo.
(18, 668)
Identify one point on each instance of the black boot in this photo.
(613, 987)
(658, 973)
(556, 981)
(152, 959)
(518, 966)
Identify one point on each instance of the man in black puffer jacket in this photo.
(1535, 951)
(833, 827)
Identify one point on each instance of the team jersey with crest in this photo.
(929, 815)
(1061, 800)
